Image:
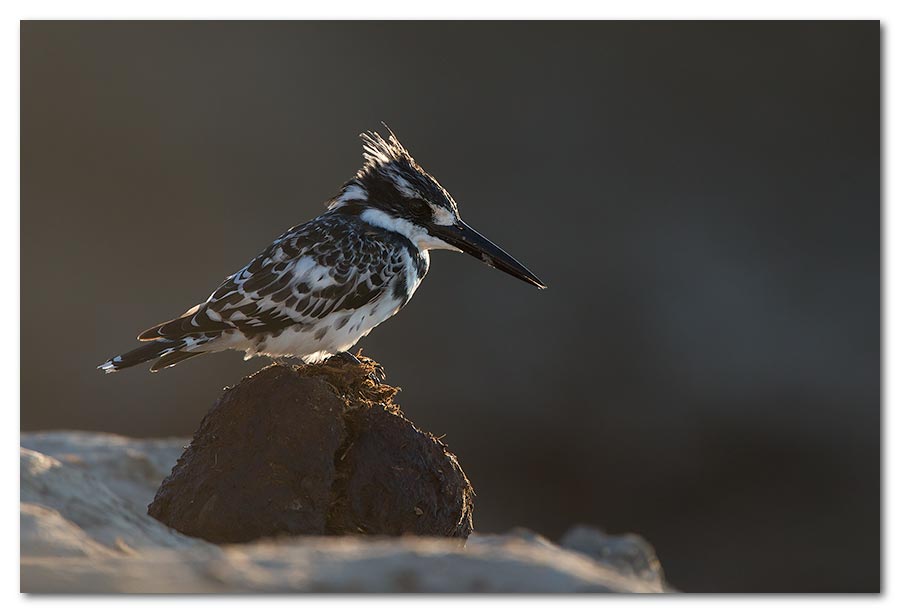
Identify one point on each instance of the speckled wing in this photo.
(327, 265)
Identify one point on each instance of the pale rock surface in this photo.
(85, 529)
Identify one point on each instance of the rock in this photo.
(71, 491)
(313, 450)
(394, 479)
(130, 468)
(84, 530)
(629, 554)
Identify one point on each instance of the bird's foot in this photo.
(377, 375)
(349, 358)
(288, 361)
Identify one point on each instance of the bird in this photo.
(323, 285)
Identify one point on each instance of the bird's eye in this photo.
(419, 206)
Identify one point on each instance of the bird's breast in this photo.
(407, 282)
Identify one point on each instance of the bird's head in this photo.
(392, 191)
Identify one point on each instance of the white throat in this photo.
(417, 235)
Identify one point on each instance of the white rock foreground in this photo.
(85, 529)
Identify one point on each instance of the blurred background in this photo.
(701, 197)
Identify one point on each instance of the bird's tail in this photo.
(166, 352)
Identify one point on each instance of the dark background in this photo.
(702, 199)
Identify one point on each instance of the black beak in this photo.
(466, 239)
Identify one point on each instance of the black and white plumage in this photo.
(323, 285)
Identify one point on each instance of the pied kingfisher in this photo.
(323, 285)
